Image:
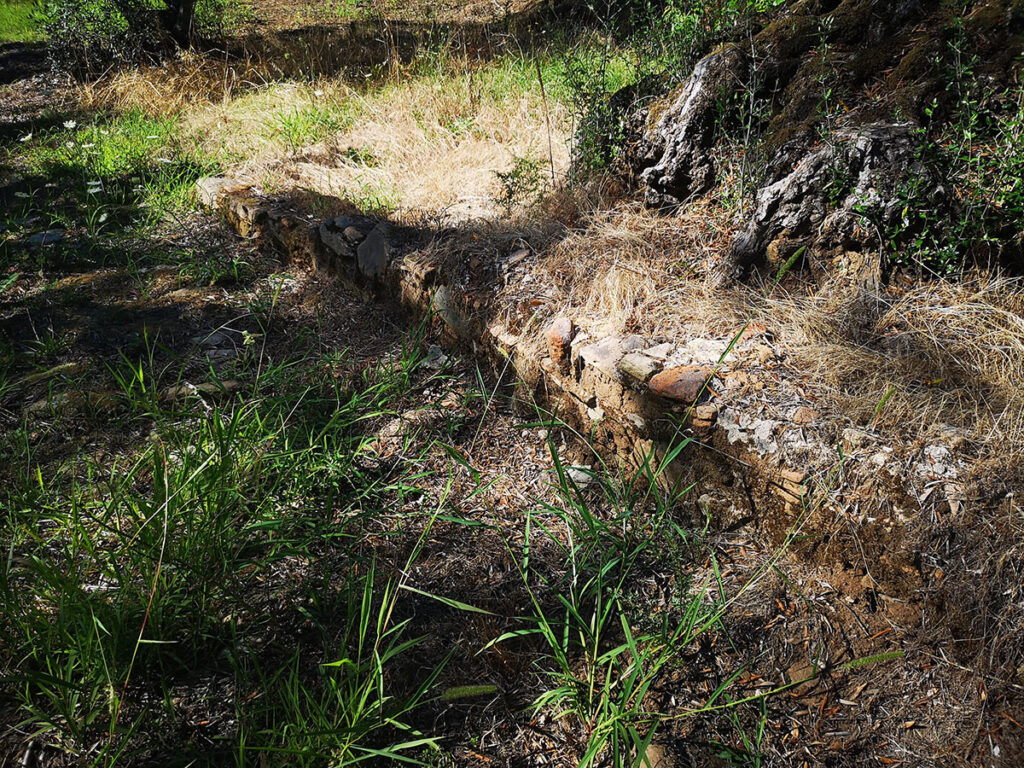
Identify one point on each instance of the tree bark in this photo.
(178, 20)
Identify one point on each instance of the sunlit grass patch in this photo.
(91, 180)
(18, 23)
(130, 159)
(310, 123)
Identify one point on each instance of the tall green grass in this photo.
(123, 579)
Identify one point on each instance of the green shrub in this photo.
(522, 184)
(91, 36)
(974, 144)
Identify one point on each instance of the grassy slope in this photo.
(212, 545)
(17, 24)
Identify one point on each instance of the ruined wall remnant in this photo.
(755, 437)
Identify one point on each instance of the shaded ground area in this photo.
(20, 61)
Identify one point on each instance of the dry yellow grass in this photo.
(434, 146)
(940, 354)
(424, 144)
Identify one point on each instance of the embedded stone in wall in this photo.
(704, 416)
(603, 355)
(335, 241)
(559, 336)
(246, 215)
(683, 384)
(372, 255)
(211, 189)
(638, 366)
(296, 238)
(353, 235)
(445, 304)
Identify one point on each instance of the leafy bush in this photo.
(973, 143)
(522, 184)
(91, 36)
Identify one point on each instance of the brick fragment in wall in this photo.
(559, 336)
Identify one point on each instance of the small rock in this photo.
(764, 353)
(704, 416)
(707, 351)
(215, 339)
(795, 476)
(445, 304)
(854, 438)
(751, 331)
(633, 343)
(683, 384)
(52, 404)
(503, 336)
(353, 235)
(638, 366)
(660, 351)
(517, 257)
(209, 388)
(49, 237)
(435, 358)
(656, 756)
(582, 476)
(103, 402)
(559, 336)
(804, 673)
(372, 255)
(804, 415)
(603, 355)
(636, 421)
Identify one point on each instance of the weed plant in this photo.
(123, 579)
(308, 125)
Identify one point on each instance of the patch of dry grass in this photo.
(434, 143)
(942, 354)
(939, 354)
(422, 142)
(173, 87)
